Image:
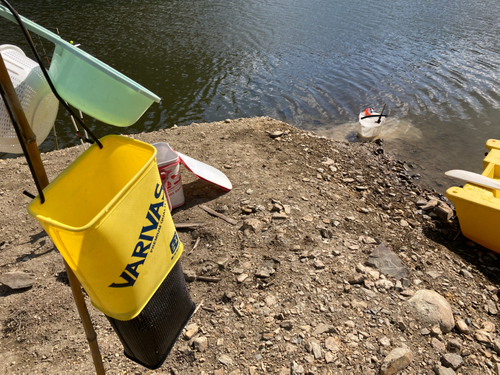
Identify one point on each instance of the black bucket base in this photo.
(148, 338)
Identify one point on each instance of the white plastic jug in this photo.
(37, 100)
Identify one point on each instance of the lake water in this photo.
(314, 64)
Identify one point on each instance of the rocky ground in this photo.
(332, 260)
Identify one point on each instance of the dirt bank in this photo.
(296, 290)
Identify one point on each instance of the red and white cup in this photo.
(169, 167)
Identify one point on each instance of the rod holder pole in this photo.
(27, 139)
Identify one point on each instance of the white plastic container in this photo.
(169, 167)
(37, 100)
(368, 126)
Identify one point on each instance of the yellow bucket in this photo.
(108, 215)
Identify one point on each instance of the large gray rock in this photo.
(396, 360)
(432, 308)
(388, 262)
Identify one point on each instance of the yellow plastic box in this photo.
(478, 208)
(108, 216)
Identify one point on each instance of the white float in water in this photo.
(370, 123)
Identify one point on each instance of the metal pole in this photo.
(27, 139)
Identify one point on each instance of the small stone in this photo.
(191, 330)
(253, 225)
(441, 370)
(329, 357)
(452, 360)
(482, 336)
(286, 324)
(360, 268)
(408, 293)
(406, 282)
(316, 350)
(223, 208)
(323, 328)
(369, 284)
(404, 223)
(431, 204)
(433, 274)
(388, 262)
(436, 331)
(424, 332)
(397, 360)
(264, 272)
(362, 305)
(401, 324)
(318, 264)
(350, 324)
(271, 300)
(228, 296)
(357, 279)
(492, 307)
(438, 345)
(296, 368)
(384, 284)
(241, 277)
(466, 273)
(225, 360)
(276, 134)
(462, 327)
(277, 207)
(267, 336)
(222, 261)
(369, 241)
(326, 233)
(279, 216)
(189, 275)
(332, 344)
(443, 212)
(385, 341)
(200, 344)
(488, 326)
(398, 287)
(369, 293)
(238, 270)
(454, 345)
(496, 345)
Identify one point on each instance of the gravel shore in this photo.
(333, 261)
